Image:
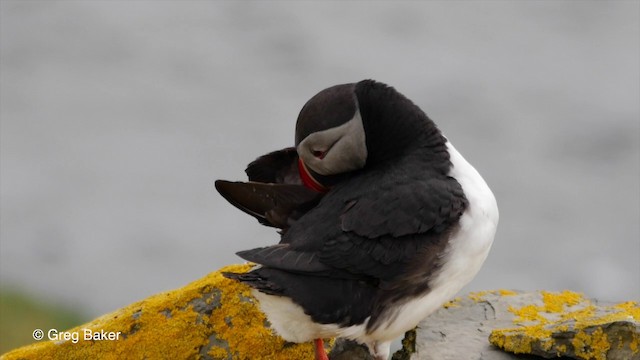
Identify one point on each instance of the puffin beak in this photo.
(308, 179)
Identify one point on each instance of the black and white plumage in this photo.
(392, 223)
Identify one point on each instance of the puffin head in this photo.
(349, 127)
(330, 137)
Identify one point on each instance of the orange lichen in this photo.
(212, 316)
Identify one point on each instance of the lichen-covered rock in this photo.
(216, 318)
(461, 328)
(211, 318)
(545, 324)
(349, 350)
(567, 324)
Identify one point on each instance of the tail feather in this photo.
(255, 281)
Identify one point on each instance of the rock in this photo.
(211, 318)
(573, 327)
(460, 330)
(567, 324)
(349, 350)
(216, 318)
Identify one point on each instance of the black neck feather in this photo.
(396, 127)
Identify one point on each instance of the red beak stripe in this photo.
(308, 180)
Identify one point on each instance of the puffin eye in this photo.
(319, 154)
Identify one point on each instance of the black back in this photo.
(378, 236)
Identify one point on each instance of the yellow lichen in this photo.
(477, 296)
(454, 303)
(212, 315)
(528, 313)
(556, 302)
(591, 346)
(631, 308)
(563, 312)
(504, 292)
(480, 295)
(562, 348)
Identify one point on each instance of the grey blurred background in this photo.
(117, 116)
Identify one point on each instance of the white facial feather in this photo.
(344, 148)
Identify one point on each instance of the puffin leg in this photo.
(320, 353)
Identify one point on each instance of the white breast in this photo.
(467, 250)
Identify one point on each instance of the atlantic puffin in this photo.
(381, 219)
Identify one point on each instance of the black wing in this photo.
(372, 234)
(359, 240)
(279, 167)
(274, 194)
(277, 205)
(404, 209)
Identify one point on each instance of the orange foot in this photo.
(320, 353)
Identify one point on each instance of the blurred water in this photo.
(117, 116)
